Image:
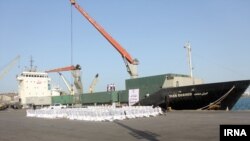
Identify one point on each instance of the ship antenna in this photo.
(32, 68)
(31, 63)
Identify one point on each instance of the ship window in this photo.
(170, 77)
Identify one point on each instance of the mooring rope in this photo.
(218, 100)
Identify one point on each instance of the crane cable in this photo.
(71, 42)
(71, 35)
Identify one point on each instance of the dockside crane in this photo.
(131, 64)
(75, 71)
(69, 87)
(93, 84)
(8, 67)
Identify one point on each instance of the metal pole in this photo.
(188, 47)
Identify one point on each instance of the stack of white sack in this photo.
(96, 113)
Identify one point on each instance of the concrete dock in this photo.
(174, 126)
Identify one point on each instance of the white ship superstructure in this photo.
(34, 87)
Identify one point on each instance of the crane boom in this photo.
(111, 40)
(67, 84)
(75, 71)
(68, 68)
(129, 61)
(8, 67)
(93, 84)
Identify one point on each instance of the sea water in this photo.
(242, 104)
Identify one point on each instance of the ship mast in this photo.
(32, 67)
(188, 47)
(31, 63)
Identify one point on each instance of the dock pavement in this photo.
(172, 126)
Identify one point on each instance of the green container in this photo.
(66, 99)
(114, 96)
(97, 98)
(146, 85)
(123, 96)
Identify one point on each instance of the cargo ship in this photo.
(212, 96)
(177, 91)
(173, 91)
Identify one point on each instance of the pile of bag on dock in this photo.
(96, 113)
